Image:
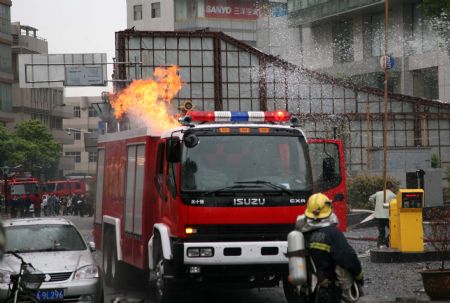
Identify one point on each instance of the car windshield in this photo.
(32, 238)
(224, 161)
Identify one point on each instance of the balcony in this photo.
(62, 137)
(303, 12)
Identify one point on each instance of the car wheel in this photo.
(107, 259)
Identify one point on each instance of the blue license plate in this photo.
(50, 295)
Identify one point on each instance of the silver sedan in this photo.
(55, 248)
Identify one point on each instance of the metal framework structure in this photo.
(222, 73)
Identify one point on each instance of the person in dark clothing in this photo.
(37, 204)
(329, 252)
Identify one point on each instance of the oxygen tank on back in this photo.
(297, 258)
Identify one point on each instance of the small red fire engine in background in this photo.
(212, 201)
(21, 186)
(66, 187)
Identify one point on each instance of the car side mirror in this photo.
(91, 246)
(173, 150)
(190, 140)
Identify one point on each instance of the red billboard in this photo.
(231, 9)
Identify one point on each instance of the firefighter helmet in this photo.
(318, 207)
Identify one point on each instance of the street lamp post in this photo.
(5, 171)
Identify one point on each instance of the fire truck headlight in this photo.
(206, 252)
(193, 252)
(190, 230)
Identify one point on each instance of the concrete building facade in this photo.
(346, 40)
(233, 17)
(43, 104)
(85, 121)
(6, 72)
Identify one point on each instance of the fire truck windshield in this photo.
(50, 187)
(24, 189)
(226, 160)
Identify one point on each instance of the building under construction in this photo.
(222, 73)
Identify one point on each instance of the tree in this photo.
(38, 145)
(438, 11)
(31, 145)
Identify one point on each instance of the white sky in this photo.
(74, 26)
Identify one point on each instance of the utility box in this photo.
(406, 220)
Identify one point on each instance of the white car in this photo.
(55, 248)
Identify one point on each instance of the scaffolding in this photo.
(222, 73)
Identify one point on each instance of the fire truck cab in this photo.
(210, 202)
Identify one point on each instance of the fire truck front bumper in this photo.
(234, 253)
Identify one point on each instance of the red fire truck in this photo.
(210, 202)
(65, 187)
(18, 186)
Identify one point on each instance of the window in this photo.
(134, 189)
(39, 237)
(424, 38)
(378, 35)
(342, 41)
(156, 10)
(139, 190)
(99, 191)
(77, 135)
(137, 12)
(76, 155)
(92, 112)
(92, 156)
(171, 180)
(323, 156)
(130, 183)
(76, 111)
(160, 168)
(425, 83)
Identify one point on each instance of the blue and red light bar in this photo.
(229, 116)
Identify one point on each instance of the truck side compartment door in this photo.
(328, 169)
(159, 180)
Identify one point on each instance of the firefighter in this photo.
(329, 251)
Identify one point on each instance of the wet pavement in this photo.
(398, 282)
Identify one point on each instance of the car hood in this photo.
(50, 262)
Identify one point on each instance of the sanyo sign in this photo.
(219, 9)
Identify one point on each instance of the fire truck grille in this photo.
(242, 232)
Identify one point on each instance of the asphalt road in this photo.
(383, 282)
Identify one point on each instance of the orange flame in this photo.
(149, 100)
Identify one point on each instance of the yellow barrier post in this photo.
(394, 225)
(409, 207)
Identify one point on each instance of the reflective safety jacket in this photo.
(328, 247)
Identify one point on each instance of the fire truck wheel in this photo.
(163, 289)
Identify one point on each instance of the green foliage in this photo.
(435, 161)
(31, 145)
(435, 8)
(447, 190)
(360, 188)
(438, 12)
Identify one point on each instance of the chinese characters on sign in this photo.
(231, 9)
